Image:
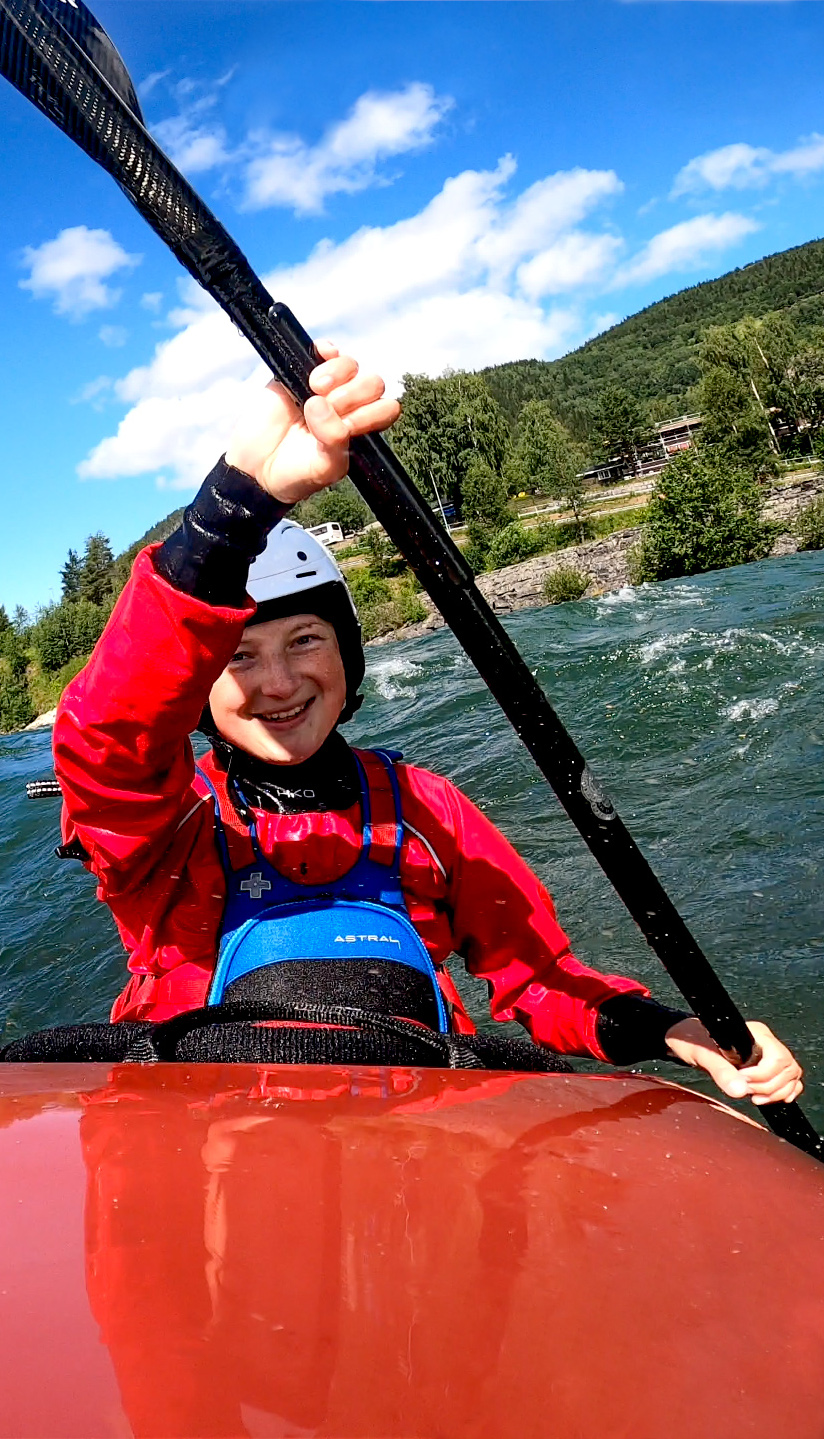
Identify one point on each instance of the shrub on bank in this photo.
(517, 542)
(704, 514)
(564, 584)
(384, 559)
(367, 588)
(16, 708)
(809, 525)
(511, 545)
(400, 605)
(45, 689)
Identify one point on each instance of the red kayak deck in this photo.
(400, 1254)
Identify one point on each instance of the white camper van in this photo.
(327, 534)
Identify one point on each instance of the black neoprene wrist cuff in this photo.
(631, 1028)
(222, 531)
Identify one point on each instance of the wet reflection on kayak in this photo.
(397, 1253)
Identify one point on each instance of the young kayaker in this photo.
(288, 866)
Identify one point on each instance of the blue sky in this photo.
(433, 184)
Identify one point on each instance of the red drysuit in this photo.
(123, 756)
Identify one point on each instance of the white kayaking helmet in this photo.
(292, 563)
(296, 574)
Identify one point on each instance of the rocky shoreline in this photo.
(521, 586)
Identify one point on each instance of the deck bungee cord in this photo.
(60, 58)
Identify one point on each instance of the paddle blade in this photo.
(35, 33)
(91, 37)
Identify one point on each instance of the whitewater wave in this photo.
(627, 595)
(684, 595)
(750, 709)
(729, 641)
(653, 649)
(651, 597)
(395, 678)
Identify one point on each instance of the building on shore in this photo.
(670, 439)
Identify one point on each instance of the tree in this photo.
(122, 568)
(5, 622)
(71, 575)
(730, 413)
(96, 570)
(340, 505)
(484, 498)
(705, 513)
(384, 559)
(549, 459)
(732, 404)
(480, 421)
(799, 395)
(66, 632)
(426, 438)
(444, 424)
(735, 350)
(620, 426)
(16, 708)
(485, 509)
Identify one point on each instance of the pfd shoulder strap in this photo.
(383, 828)
(234, 841)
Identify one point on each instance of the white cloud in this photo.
(545, 211)
(95, 393)
(191, 145)
(574, 259)
(282, 169)
(72, 270)
(685, 246)
(449, 286)
(184, 433)
(151, 83)
(152, 300)
(804, 159)
(289, 172)
(743, 167)
(193, 140)
(113, 336)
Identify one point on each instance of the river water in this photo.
(699, 703)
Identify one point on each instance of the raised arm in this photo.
(121, 742)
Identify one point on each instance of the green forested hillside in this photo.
(654, 354)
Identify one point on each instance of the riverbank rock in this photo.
(44, 721)
(521, 586)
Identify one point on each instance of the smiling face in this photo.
(282, 693)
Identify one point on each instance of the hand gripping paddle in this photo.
(60, 58)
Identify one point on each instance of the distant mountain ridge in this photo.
(653, 353)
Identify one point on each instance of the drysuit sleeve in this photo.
(221, 532)
(121, 738)
(505, 928)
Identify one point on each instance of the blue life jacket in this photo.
(356, 926)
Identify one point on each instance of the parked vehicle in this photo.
(329, 534)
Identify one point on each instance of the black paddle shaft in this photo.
(75, 76)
